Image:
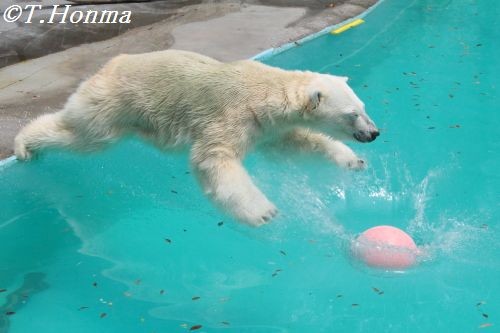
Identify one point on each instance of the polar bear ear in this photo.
(314, 100)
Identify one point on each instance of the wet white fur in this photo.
(174, 98)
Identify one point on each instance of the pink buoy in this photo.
(386, 247)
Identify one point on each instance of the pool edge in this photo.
(6, 162)
(277, 50)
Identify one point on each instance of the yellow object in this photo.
(347, 26)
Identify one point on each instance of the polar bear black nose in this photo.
(374, 134)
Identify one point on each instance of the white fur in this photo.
(174, 98)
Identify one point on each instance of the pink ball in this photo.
(386, 247)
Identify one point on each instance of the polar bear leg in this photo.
(56, 131)
(334, 150)
(228, 184)
(45, 131)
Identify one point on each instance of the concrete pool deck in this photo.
(225, 30)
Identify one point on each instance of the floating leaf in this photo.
(355, 304)
(94, 284)
(283, 252)
(104, 314)
(485, 315)
(174, 191)
(195, 298)
(195, 327)
(225, 323)
(168, 240)
(83, 308)
(220, 223)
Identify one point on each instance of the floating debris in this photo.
(3, 290)
(104, 314)
(195, 298)
(9, 313)
(162, 292)
(450, 95)
(431, 127)
(127, 294)
(455, 126)
(220, 223)
(276, 272)
(137, 282)
(354, 304)
(339, 296)
(195, 327)
(83, 308)
(174, 191)
(225, 323)
(484, 315)
(168, 240)
(485, 325)
(283, 252)
(94, 284)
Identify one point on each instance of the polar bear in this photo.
(175, 98)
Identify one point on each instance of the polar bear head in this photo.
(333, 107)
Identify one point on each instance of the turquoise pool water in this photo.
(124, 241)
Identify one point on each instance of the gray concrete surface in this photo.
(44, 64)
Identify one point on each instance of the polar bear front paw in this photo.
(258, 212)
(357, 164)
(344, 157)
